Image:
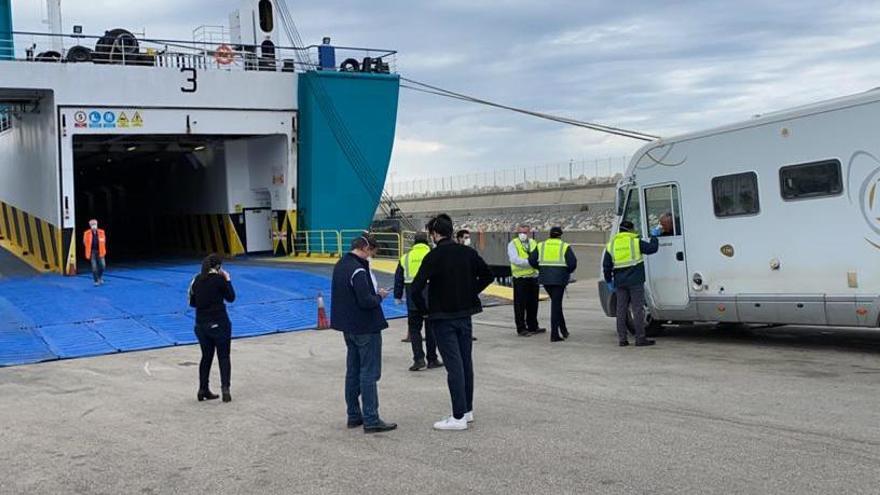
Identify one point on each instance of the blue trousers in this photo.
(363, 370)
(98, 267)
(456, 347)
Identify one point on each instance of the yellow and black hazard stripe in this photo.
(34, 240)
(284, 233)
(201, 234)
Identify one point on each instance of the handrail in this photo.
(204, 54)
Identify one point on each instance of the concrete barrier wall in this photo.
(571, 196)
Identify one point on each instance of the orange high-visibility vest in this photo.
(102, 243)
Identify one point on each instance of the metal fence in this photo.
(561, 174)
(336, 242)
(207, 51)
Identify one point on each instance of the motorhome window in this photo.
(662, 210)
(267, 21)
(811, 180)
(633, 211)
(735, 195)
(621, 197)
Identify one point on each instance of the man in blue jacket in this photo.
(356, 311)
(624, 270)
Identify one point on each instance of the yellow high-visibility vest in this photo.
(412, 261)
(523, 252)
(552, 253)
(624, 250)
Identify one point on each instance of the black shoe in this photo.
(355, 424)
(226, 396)
(406, 339)
(418, 365)
(536, 332)
(524, 334)
(435, 364)
(564, 332)
(380, 427)
(623, 343)
(206, 395)
(644, 343)
(557, 339)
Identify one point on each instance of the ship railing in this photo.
(336, 242)
(317, 243)
(203, 54)
(390, 243)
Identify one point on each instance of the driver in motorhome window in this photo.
(666, 226)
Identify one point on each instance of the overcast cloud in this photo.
(658, 67)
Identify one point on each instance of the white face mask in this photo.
(467, 241)
(523, 236)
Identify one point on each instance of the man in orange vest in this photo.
(95, 241)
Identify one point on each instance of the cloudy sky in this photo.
(659, 67)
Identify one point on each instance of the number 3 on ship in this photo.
(192, 80)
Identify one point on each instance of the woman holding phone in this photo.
(207, 293)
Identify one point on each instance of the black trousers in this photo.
(525, 304)
(456, 347)
(214, 337)
(557, 319)
(414, 321)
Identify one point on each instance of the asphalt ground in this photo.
(784, 410)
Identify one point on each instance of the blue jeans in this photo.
(455, 345)
(363, 370)
(98, 267)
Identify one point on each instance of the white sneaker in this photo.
(469, 416)
(450, 423)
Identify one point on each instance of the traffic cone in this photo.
(323, 321)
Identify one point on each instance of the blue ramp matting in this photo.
(145, 306)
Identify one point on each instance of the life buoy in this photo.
(224, 55)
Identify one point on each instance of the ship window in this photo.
(267, 21)
(633, 211)
(735, 195)
(811, 180)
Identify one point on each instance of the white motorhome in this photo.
(776, 219)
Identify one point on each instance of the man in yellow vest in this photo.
(624, 269)
(406, 272)
(555, 261)
(525, 283)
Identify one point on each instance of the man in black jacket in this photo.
(356, 310)
(457, 275)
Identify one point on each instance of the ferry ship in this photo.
(230, 142)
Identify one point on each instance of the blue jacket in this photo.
(355, 307)
(633, 276)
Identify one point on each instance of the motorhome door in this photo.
(666, 269)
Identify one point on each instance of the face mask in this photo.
(523, 237)
(467, 241)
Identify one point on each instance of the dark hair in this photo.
(364, 241)
(440, 225)
(461, 233)
(555, 232)
(420, 238)
(626, 226)
(211, 262)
